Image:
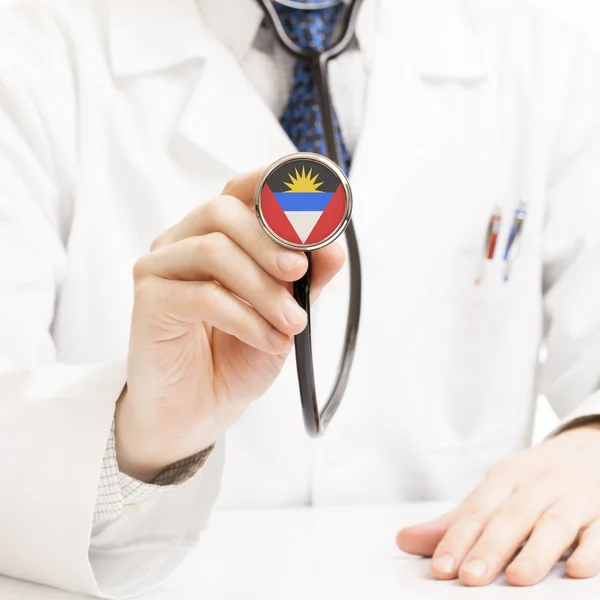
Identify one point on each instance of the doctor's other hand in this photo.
(213, 322)
(546, 498)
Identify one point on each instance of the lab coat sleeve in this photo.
(55, 419)
(570, 377)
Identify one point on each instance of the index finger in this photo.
(243, 187)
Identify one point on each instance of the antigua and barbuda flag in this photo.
(304, 203)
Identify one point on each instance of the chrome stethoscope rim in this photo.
(327, 163)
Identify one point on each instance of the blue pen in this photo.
(514, 234)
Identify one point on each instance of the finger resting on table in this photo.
(423, 538)
(553, 533)
(504, 533)
(585, 560)
(470, 521)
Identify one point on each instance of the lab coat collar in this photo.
(452, 39)
(446, 42)
(153, 35)
(164, 33)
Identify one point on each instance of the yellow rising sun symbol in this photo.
(303, 182)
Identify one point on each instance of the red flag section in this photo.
(331, 218)
(275, 217)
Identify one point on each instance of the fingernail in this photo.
(292, 312)
(524, 565)
(476, 567)
(444, 563)
(288, 261)
(278, 340)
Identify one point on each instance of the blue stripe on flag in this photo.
(303, 201)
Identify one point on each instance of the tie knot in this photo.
(311, 29)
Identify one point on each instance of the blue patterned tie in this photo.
(302, 119)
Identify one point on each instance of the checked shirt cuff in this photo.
(116, 489)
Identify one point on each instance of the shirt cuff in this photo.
(587, 413)
(116, 489)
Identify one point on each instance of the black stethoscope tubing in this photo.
(315, 420)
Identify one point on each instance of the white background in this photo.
(584, 14)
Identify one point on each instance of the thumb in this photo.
(423, 538)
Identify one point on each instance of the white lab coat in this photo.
(117, 119)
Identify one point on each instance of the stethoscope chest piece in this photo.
(303, 201)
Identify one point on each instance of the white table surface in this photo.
(318, 554)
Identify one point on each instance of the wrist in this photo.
(132, 457)
(143, 451)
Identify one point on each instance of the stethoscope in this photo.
(316, 420)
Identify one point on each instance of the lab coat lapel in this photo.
(224, 117)
(227, 120)
(410, 116)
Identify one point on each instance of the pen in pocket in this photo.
(491, 238)
(514, 236)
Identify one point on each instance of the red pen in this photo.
(491, 238)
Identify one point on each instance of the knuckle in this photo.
(500, 471)
(196, 245)
(508, 514)
(556, 519)
(157, 242)
(208, 245)
(211, 214)
(216, 243)
(226, 202)
(230, 186)
(246, 318)
(211, 293)
(216, 213)
(147, 292)
(476, 516)
(162, 239)
(221, 211)
(141, 268)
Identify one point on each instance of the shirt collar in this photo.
(234, 22)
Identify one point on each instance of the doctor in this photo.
(122, 119)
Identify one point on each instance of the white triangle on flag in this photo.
(303, 221)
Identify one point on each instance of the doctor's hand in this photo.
(213, 322)
(547, 497)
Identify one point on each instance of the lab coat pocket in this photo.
(473, 327)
